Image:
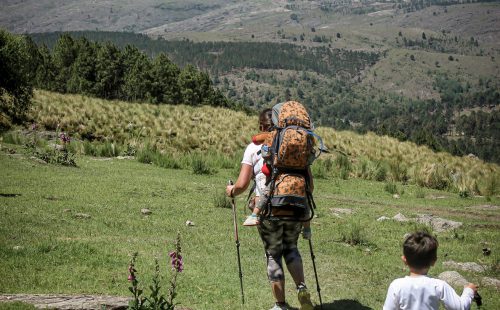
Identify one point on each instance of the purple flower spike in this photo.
(64, 138)
(131, 277)
(176, 261)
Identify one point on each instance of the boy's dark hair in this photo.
(420, 250)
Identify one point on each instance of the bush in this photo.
(13, 138)
(420, 192)
(52, 155)
(200, 166)
(391, 188)
(166, 161)
(380, 172)
(321, 169)
(353, 233)
(145, 156)
(221, 200)
(344, 166)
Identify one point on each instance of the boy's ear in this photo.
(403, 258)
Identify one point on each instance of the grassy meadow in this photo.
(72, 229)
(47, 247)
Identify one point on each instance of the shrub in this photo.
(353, 233)
(391, 188)
(52, 155)
(166, 161)
(399, 172)
(200, 166)
(321, 168)
(221, 200)
(380, 172)
(13, 138)
(420, 192)
(145, 156)
(344, 165)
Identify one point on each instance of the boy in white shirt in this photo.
(418, 291)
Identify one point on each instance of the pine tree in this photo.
(64, 54)
(136, 79)
(15, 86)
(164, 86)
(109, 71)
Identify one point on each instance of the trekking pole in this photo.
(237, 244)
(315, 273)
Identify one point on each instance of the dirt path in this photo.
(55, 301)
(59, 301)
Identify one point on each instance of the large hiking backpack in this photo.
(288, 151)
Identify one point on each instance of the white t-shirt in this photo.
(425, 293)
(253, 158)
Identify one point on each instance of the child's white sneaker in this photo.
(252, 220)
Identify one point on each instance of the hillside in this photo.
(405, 51)
(179, 130)
(409, 92)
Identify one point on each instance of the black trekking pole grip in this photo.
(235, 223)
(315, 274)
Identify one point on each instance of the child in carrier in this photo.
(262, 191)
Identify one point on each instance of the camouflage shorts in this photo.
(280, 241)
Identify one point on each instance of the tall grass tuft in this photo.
(322, 168)
(353, 233)
(380, 172)
(13, 137)
(200, 166)
(420, 193)
(344, 166)
(220, 200)
(391, 188)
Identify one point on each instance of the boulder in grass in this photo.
(383, 218)
(338, 212)
(491, 282)
(468, 266)
(82, 216)
(145, 211)
(438, 224)
(400, 218)
(453, 278)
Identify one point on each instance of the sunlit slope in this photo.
(180, 129)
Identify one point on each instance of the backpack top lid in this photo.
(291, 113)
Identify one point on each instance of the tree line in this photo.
(226, 56)
(99, 69)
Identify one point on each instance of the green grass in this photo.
(60, 253)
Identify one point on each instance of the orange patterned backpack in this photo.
(288, 151)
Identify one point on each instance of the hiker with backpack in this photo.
(285, 149)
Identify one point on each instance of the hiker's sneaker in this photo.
(304, 298)
(279, 307)
(251, 221)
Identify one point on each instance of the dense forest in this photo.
(465, 119)
(103, 70)
(225, 56)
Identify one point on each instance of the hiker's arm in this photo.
(246, 174)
